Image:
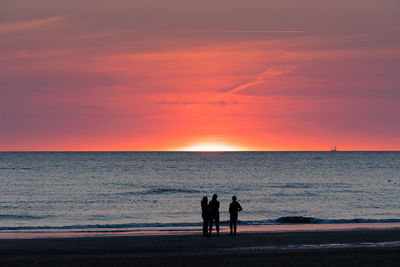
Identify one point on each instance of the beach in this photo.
(303, 248)
(143, 208)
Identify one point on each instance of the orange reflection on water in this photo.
(243, 229)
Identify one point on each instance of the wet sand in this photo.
(315, 248)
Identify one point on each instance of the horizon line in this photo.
(218, 151)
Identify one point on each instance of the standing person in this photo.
(205, 214)
(234, 208)
(214, 213)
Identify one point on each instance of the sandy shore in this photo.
(318, 248)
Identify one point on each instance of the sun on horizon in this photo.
(212, 147)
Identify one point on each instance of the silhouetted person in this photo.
(205, 213)
(214, 213)
(234, 208)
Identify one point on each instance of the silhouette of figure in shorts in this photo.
(214, 213)
(234, 209)
(205, 213)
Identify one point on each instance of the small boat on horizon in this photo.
(333, 149)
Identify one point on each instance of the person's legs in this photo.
(234, 222)
(211, 225)
(230, 225)
(205, 226)
(217, 225)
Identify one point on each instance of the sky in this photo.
(187, 75)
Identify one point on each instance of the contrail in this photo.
(26, 25)
(245, 31)
(260, 78)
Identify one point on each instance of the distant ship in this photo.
(333, 149)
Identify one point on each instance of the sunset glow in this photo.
(211, 148)
(129, 76)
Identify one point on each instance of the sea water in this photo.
(70, 191)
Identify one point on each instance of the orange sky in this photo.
(173, 75)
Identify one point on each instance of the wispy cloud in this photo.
(177, 103)
(248, 31)
(260, 78)
(27, 25)
(220, 103)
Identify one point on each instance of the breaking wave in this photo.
(184, 225)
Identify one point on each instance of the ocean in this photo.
(119, 191)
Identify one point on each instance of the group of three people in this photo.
(210, 214)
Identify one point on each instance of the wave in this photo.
(101, 226)
(311, 220)
(298, 219)
(158, 191)
(161, 191)
(293, 185)
(14, 168)
(21, 216)
(180, 225)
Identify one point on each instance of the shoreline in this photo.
(278, 228)
(244, 241)
(305, 248)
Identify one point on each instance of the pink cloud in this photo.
(261, 78)
(145, 77)
(27, 25)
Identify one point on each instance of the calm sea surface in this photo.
(142, 190)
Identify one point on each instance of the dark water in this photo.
(123, 190)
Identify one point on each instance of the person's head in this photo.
(204, 199)
(234, 198)
(215, 197)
